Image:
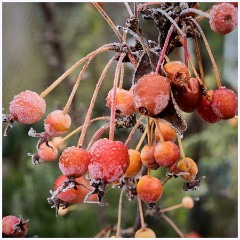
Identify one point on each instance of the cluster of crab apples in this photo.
(110, 161)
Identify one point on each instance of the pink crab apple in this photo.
(223, 18)
(57, 123)
(27, 107)
(74, 162)
(109, 160)
(14, 227)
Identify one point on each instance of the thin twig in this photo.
(113, 106)
(128, 9)
(141, 212)
(79, 129)
(93, 100)
(178, 231)
(171, 208)
(110, 22)
(70, 99)
(209, 52)
(164, 48)
(181, 147)
(133, 130)
(119, 214)
(71, 69)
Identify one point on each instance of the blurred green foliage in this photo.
(25, 188)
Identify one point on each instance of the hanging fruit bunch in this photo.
(161, 90)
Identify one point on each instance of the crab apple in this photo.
(47, 151)
(188, 202)
(192, 235)
(147, 157)
(149, 189)
(187, 165)
(151, 94)
(224, 103)
(57, 141)
(57, 123)
(145, 233)
(109, 160)
(188, 97)
(27, 107)
(74, 162)
(14, 227)
(223, 18)
(167, 132)
(166, 153)
(135, 163)
(177, 72)
(62, 211)
(233, 122)
(124, 101)
(205, 111)
(73, 195)
(235, 4)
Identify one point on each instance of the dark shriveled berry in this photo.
(188, 97)
(205, 111)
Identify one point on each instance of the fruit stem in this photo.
(194, 69)
(110, 22)
(141, 212)
(142, 6)
(171, 208)
(133, 130)
(159, 130)
(113, 106)
(172, 21)
(197, 11)
(181, 147)
(210, 54)
(149, 131)
(93, 100)
(119, 214)
(148, 172)
(185, 44)
(97, 135)
(166, 179)
(164, 48)
(79, 129)
(143, 137)
(141, 140)
(198, 54)
(75, 87)
(71, 69)
(141, 41)
(173, 226)
(121, 77)
(128, 9)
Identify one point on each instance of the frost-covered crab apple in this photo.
(109, 160)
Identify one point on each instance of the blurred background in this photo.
(39, 42)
